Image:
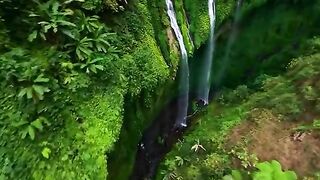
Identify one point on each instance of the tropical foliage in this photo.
(283, 99)
(265, 171)
(64, 74)
(74, 73)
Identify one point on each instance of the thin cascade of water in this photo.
(189, 35)
(204, 81)
(184, 69)
(232, 38)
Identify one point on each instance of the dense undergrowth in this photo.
(264, 40)
(72, 71)
(206, 153)
(258, 53)
(67, 70)
(260, 49)
(64, 74)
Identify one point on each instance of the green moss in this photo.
(225, 10)
(161, 24)
(85, 125)
(183, 23)
(153, 67)
(139, 113)
(198, 15)
(197, 12)
(77, 149)
(102, 122)
(145, 66)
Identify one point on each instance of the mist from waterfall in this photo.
(204, 81)
(232, 38)
(183, 69)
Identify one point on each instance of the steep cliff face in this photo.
(251, 58)
(139, 115)
(65, 130)
(142, 109)
(72, 71)
(72, 142)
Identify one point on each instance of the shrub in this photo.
(265, 171)
(238, 95)
(279, 95)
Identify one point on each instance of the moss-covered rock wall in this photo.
(76, 146)
(66, 93)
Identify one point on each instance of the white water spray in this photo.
(184, 69)
(204, 86)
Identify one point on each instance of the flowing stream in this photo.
(204, 81)
(184, 69)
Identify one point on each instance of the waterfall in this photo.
(184, 69)
(232, 38)
(189, 35)
(204, 86)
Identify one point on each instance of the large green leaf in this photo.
(262, 176)
(37, 124)
(32, 36)
(40, 90)
(100, 67)
(264, 167)
(22, 92)
(279, 175)
(291, 175)
(31, 132)
(276, 166)
(227, 177)
(41, 79)
(66, 23)
(46, 152)
(29, 92)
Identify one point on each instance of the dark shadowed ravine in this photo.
(157, 141)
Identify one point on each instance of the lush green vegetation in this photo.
(266, 170)
(206, 151)
(224, 138)
(263, 43)
(81, 79)
(197, 13)
(64, 74)
(68, 72)
(183, 23)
